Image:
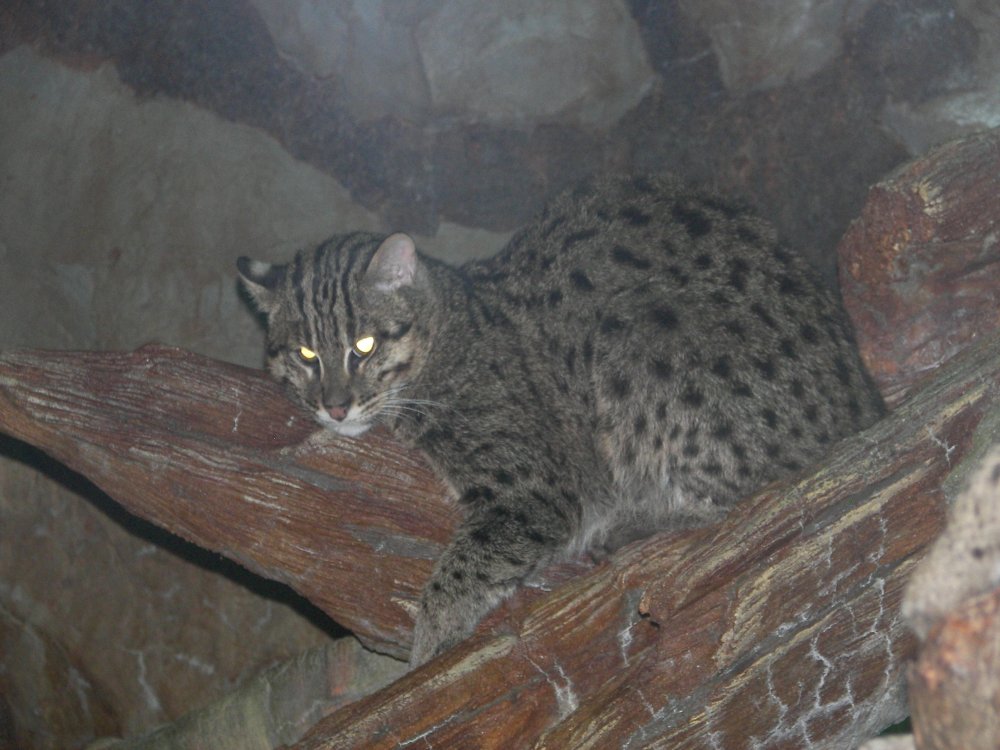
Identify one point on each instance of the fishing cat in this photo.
(639, 357)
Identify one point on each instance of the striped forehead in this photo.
(325, 282)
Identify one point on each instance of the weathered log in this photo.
(920, 268)
(778, 627)
(217, 455)
(920, 273)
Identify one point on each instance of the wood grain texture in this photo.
(217, 455)
(779, 628)
(920, 268)
(776, 628)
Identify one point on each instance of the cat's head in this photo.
(348, 326)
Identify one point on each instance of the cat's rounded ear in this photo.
(394, 265)
(261, 280)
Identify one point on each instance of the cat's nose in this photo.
(338, 413)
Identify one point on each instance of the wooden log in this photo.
(920, 274)
(920, 268)
(216, 454)
(778, 627)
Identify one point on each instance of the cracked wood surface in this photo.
(919, 268)
(778, 627)
(215, 453)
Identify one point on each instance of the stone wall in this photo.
(144, 144)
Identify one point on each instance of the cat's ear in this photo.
(394, 265)
(262, 281)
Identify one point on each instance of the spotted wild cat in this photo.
(639, 357)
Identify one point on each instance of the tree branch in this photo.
(780, 623)
(216, 454)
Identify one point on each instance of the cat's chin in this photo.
(347, 427)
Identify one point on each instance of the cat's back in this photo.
(645, 243)
(699, 340)
(613, 233)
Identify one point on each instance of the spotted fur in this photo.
(639, 357)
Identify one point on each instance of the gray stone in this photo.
(970, 106)
(965, 560)
(366, 46)
(522, 62)
(584, 61)
(900, 742)
(760, 44)
(124, 217)
(313, 35)
(279, 705)
(921, 127)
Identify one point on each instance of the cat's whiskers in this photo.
(392, 404)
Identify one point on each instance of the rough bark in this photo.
(216, 454)
(920, 272)
(920, 268)
(778, 627)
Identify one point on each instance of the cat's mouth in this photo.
(346, 422)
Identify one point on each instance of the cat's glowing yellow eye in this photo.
(364, 345)
(308, 354)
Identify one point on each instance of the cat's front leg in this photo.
(447, 616)
(491, 554)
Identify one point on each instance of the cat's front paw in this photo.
(428, 641)
(447, 617)
(437, 629)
